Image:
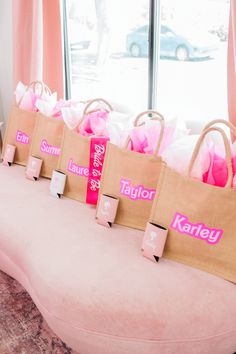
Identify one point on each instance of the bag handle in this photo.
(90, 103)
(35, 85)
(155, 116)
(222, 121)
(227, 150)
(43, 87)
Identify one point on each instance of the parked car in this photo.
(171, 45)
(80, 36)
(80, 45)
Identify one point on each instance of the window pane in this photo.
(192, 80)
(109, 50)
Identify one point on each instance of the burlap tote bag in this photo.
(132, 177)
(46, 142)
(200, 217)
(20, 127)
(77, 159)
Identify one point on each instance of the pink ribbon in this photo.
(97, 154)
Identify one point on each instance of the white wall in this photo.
(6, 56)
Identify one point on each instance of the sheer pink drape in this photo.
(37, 43)
(232, 63)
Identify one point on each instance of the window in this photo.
(109, 52)
(192, 80)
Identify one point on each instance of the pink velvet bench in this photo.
(95, 289)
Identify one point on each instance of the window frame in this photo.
(154, 51)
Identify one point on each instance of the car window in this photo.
(143, 29)
(165, 29)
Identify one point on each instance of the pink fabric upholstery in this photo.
(95, 289)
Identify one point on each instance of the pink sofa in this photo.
(95, 289)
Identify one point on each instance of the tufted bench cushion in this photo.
(95, 289)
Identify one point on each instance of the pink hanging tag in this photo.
(154, 241)
(33, 168)
(9, 155)
(107, 209)
(57, 184)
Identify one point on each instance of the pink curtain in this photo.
(37, 43)
(232, 63)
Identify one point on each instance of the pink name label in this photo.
(72, 167)
(181, 224)
(22, 137)
(135, 192)
(49, 149)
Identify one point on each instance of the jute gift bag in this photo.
(200, 217)
(132, 177)
(20, 127)
(46, 142)
(79, 154)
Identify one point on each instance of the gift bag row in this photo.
(46, 135)
(150, 175)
